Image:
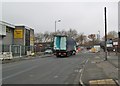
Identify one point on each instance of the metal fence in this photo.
(18, 50)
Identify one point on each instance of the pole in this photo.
(55, 27)
(99, 34)
(105, 35)
(10, 50)
(20, 52)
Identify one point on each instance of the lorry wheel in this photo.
(57, 56)
(74, 53)
(68, 54)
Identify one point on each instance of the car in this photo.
(48, 51)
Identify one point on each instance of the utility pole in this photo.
(105, 35)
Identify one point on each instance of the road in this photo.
(47, 70)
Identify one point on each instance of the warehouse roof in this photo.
(7, 24)
(23, 26)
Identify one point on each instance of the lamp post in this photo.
(99, 34)
(56, 23)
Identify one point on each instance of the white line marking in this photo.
(81, 82)
(15, 74)
(117, 82)
(55, 76)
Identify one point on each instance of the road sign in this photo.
(115, 43)
(109, 45)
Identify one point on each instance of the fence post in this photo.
(10, 49)
(20, 52)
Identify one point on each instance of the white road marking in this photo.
(81, 82)
(97, 57)
(31, 75)
(78, 70)
(117, 82)
(55, 76)
(15, 74)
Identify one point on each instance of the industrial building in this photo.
(24, 36)
(6, 36)
(16, 39)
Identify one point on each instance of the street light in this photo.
(99, 35)
(55, 24)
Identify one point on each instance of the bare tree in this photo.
(92, 37)
(63, 32)
(81, 38)
(72, 33)
(46, 36)
(112, 35)
(39, 37)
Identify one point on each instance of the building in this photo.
(16, 39)
(24, 36)
(6, 36)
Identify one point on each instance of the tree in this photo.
(63, 32)
(111, 35)
(47, 36)
(92, 37)
(39, 37)
(72, 33)
(81, 38)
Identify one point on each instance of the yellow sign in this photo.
(31, 40)
(18, 33)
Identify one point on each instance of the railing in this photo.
(12, 51)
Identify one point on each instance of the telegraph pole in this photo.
(105, 34)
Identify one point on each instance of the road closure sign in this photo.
(109, 45)
(18, 34)
(115, 43)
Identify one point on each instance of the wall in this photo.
(31, 37)
(2, 29)
(8, 39)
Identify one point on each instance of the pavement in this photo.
(98, 69)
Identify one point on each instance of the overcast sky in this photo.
(85, 17)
